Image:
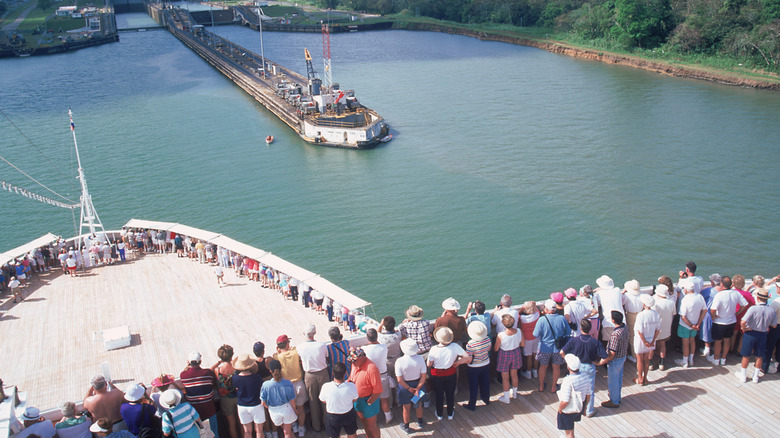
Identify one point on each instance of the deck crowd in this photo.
(418, 362)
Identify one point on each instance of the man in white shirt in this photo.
(314, 361)
(339, 398)
(609, 298)
(690, 273)
(724, 319)
(693, 308)
(505, 308)
(377, 353)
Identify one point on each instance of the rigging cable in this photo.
(31, 143)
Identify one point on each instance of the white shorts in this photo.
(251, 414)
(531, 347)
(283, 414)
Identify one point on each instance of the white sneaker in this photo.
(755, 377)
(682, 362)
(526, 374)
(301, 430)
(513, 393)
(504, 398)
(741, 376)
(723, 361)
(295, 428)
(535, 373)
(712, 360)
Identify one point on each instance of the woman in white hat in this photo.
(138, 411)
(411, 373)
(633, 306)
(181, 414)
(443, 360)
(478, 370)
(646, 329)
(666, 309)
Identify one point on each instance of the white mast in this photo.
(88, 212)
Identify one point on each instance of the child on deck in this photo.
(508, 345)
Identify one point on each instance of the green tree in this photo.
(641, 23)
(44, 4)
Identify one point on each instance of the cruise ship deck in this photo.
(173, 306)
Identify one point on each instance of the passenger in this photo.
(318, 298)
(443, 360)
(411, 375)
(547, 331)
(646, 329)
(666, 311)
(724, 319)
(618, 349)
(161, 384)
(509, 344)
(575, 393)
(738, 282)
(591, 354)
(690, 272)
(278, 396)
(705, 333)
(34, 424)
(200, 250)
(293, 282)
(417, 328)
(365, 376)
(479, 367)
(504, 308)
(773, 336)
(102, 429)
(558, 298)
(228, 401)
(72, 425)
(338, 349)
(608, 298)
(103, 403)
(576, 310)
(137, 412)
(181, 419)
(291, 370)
(247, 382)
(755, 324)
(529, 316)
(259, 350)
(632, 306)
(314, 360)
(199, 385)
(475, 311)
(377, 354)
(339, 397)
(450, 318)
(15, 286)
(693, 309)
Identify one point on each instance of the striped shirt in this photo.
(183, 416)
(618, 342)
(579, 382)
(199, 384)
(338, 352)
(480, 350)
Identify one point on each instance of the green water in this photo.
(513, 169)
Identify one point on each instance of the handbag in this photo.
(575, 403)
(560, 341)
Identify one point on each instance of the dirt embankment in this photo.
(613, 58)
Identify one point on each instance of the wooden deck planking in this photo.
(173, 307)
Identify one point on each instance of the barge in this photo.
(321, 114)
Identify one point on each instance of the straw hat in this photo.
(632, 287)
(134, 392)
(245, 362)
(443, 335)
(414, 313)
(477, 330)
(762, 294)
(170, 398)
(450, 304)
(409, 347)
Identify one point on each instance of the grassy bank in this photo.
(713, 68)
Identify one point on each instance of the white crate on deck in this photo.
(117, 337)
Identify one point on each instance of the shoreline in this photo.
(688, 72)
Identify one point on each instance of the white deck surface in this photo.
(173, 306)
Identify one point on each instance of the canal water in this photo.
(512, 170)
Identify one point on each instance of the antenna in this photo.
(88, 212)
(326, 54)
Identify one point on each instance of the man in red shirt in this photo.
(365, 375)
(199, 385)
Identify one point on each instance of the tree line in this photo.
(742, 29)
